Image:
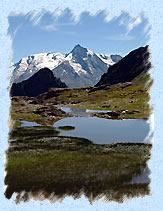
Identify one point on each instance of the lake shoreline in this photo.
(24, 109)
(38, 141)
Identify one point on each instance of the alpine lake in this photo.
(80, 142)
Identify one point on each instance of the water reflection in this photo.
(106, 131)
(42, 164)
(29, 124)
(143, 177)
(81, 112)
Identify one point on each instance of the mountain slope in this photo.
(39, 83)
(80, 67)
(128, 68)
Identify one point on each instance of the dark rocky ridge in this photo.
(39, 83)
(128, 68)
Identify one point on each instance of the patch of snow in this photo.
(27, 66)
(106, 58)
(69, 57)
(89, 52)
(77, 68)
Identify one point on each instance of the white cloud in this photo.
(58, 12)
(125, 21)
(56, 26)
(49, 27)
(130, 22)
(134, 23)
(35, 16)
(106, 13)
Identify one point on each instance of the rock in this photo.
(124, 85)
(39, 83)
(123, 95)
(130, 112)
(94, 89)
(49, 111)
(35, 102)
(107, 106)
(14, 99)
(114, 114)
(127, 68)
(75, 102)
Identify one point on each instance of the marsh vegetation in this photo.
(39, 162)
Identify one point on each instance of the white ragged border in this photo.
(153, 11)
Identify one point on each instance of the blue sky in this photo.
(60, 31)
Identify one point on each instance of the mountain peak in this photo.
(78, 46)
(79, 51)
(80, 67)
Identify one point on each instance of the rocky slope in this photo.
(80, 67)
(39, 83)
(128, 68)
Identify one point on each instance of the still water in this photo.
(130, 179)
(100, 130)
(106, 131)
(81, 111)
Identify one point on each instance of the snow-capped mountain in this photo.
(80, 67)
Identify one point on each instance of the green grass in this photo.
(134, 96)
(25, 116)
(67, 173)
(32, 132)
